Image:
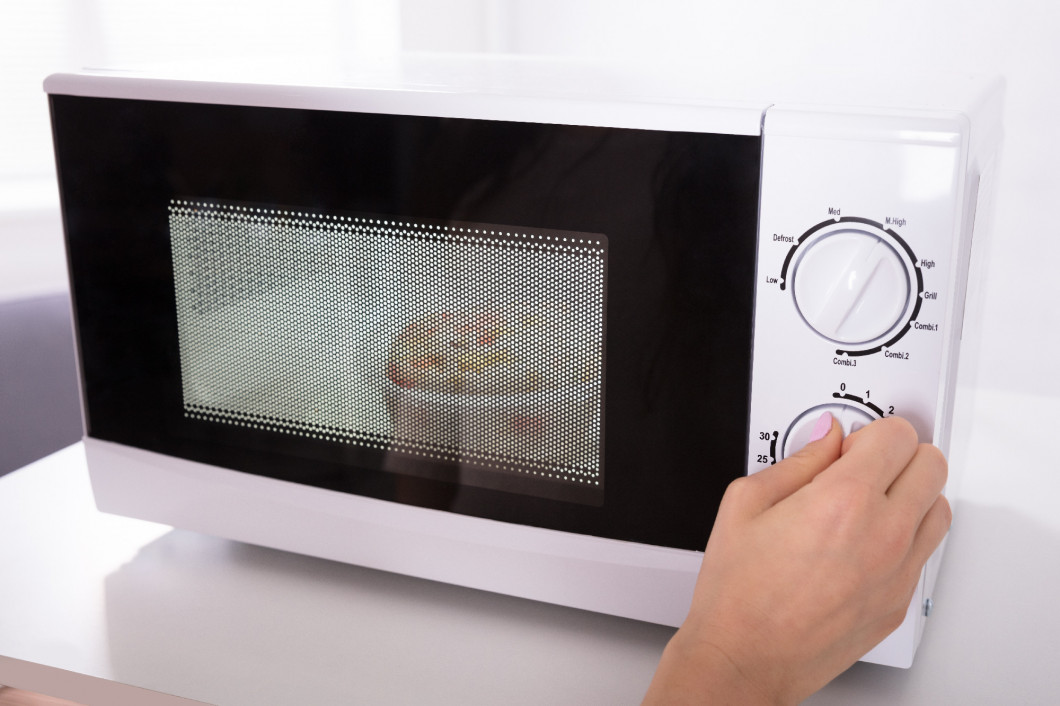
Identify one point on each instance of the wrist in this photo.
(694, 670)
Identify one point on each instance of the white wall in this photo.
(1015, 39)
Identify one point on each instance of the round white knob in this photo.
(851, 286)
(850, 419)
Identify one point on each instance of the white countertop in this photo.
(98, 608)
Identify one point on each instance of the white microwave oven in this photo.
(509, 325)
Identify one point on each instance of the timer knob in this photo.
(851, 286)
(850, 419)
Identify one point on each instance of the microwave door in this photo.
(542, 324)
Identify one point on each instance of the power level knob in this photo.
(850, 419)
(851, 286)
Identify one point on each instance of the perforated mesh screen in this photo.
(449, 342)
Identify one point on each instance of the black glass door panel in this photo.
(300, 295)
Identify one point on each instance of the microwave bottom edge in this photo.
(624, 579)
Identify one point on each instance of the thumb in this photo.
(781, 480)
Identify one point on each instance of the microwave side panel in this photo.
(973, 244)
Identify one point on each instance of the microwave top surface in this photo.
(531, 89)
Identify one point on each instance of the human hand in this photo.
(810, 564)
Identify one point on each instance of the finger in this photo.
(876, 453)
(929, 534)
(770, 486)
(917, 487)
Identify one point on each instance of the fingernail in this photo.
(822, 427)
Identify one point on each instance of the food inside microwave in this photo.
(517, 386)
(493, 351)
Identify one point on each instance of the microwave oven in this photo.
(512, 325)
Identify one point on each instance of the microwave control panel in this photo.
(858, 296)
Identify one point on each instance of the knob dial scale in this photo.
(854, 283)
